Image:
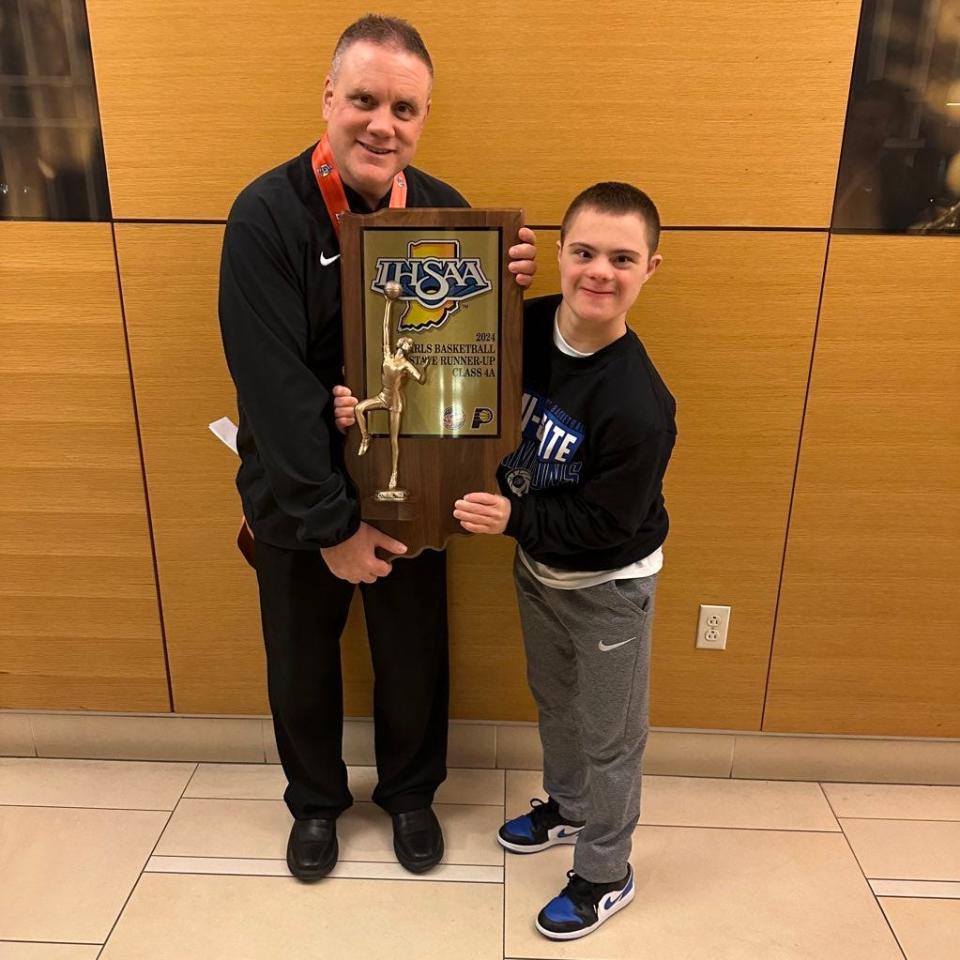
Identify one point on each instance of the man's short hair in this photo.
(618, 198)
(385, 32)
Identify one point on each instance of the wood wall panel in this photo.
(866, 637)
(488, 679)
(211, 614)
(79, 624)
(729, 321)
(727, 113)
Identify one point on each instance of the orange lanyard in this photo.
(331, 186)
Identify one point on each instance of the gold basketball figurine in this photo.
(394, 372)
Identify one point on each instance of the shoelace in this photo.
(543, 812)
(578, 890)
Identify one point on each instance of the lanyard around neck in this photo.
(331, 186)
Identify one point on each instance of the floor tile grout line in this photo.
(356, 801)
(863, 873)
(902, 819)
(285, 877)
(57, 943)
(192, 856)
(77, 806)
(833, 813)
(503, 929)
(956, 882)
(700, 826)
(913, 896)
(190, 779)
(136, 883)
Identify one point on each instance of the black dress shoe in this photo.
(312, 848)
(417, 839)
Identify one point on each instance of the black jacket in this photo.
(282, 335)
(585, 484)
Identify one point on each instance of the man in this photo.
(281, 325)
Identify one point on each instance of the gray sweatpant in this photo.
(588, 664)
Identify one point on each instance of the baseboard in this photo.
(683, 753)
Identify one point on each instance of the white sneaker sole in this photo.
(586, 931)
(535, 847)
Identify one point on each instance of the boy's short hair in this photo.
(385, 32)
(619, 198)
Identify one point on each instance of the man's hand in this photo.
(343, 403)
(355, 559)
(523, 257)
(483, 512)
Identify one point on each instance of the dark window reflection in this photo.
(51, 152)
(900, 166)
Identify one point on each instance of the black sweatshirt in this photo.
(282, 335)
(585, 484)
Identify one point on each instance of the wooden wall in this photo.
(79, 624)
(731, 113)
(837, 563)
(865, 638)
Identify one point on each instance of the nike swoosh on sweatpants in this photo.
(326, 261)
(613, 646)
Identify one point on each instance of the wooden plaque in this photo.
(456, 323)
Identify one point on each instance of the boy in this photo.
(583, 498)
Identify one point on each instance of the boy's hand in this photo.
(343, 403)
(523, 257)
(482, 512)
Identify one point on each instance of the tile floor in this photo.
(135, 860)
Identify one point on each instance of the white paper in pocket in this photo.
(226, 430)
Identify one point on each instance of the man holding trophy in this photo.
(280, 317)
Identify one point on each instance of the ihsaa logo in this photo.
(434, 281)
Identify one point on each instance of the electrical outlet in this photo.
(712, 627)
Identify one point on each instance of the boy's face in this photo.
(604, 262)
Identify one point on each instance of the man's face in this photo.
(604, 261)
(375, 110)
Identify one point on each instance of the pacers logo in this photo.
(481, 416)
(434, 280)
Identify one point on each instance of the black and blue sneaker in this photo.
(542, 827)
(583, 906)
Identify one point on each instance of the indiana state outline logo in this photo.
(434, 281)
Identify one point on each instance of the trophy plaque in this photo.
(433, 340)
